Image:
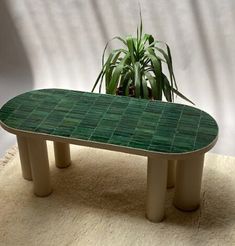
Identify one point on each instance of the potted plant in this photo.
(136, 69)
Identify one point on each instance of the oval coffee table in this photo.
(170, 135)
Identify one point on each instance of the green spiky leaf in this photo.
(138, 63)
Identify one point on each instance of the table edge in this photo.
(112, 147)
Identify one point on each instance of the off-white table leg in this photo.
(24, 157)
(156, 188)
(171, 173)
(40, 166)
(188, 183)
(62, 154)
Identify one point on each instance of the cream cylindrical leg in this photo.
(171, 173)
(24, 157)
(40, 166)
(156, 188)
(62, 154)
(188, 183)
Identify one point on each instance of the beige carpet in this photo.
(100, 200)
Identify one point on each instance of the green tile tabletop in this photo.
(153, 126)
(174, 137)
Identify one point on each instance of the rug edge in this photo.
(9, 155)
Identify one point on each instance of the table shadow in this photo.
(115, 186)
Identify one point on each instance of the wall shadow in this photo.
(15, 71)
(205, 47)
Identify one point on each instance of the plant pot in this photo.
(120, 91)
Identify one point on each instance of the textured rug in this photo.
(100, 200)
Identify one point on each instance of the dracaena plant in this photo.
(136, 69)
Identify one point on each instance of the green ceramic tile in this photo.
(138, 144)
(119, 140)
(161, 147)
(124, 121)
(45, 129)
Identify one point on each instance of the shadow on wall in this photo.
(15, 71)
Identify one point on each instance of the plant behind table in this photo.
(136, 69)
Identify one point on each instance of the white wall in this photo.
(59, 43)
